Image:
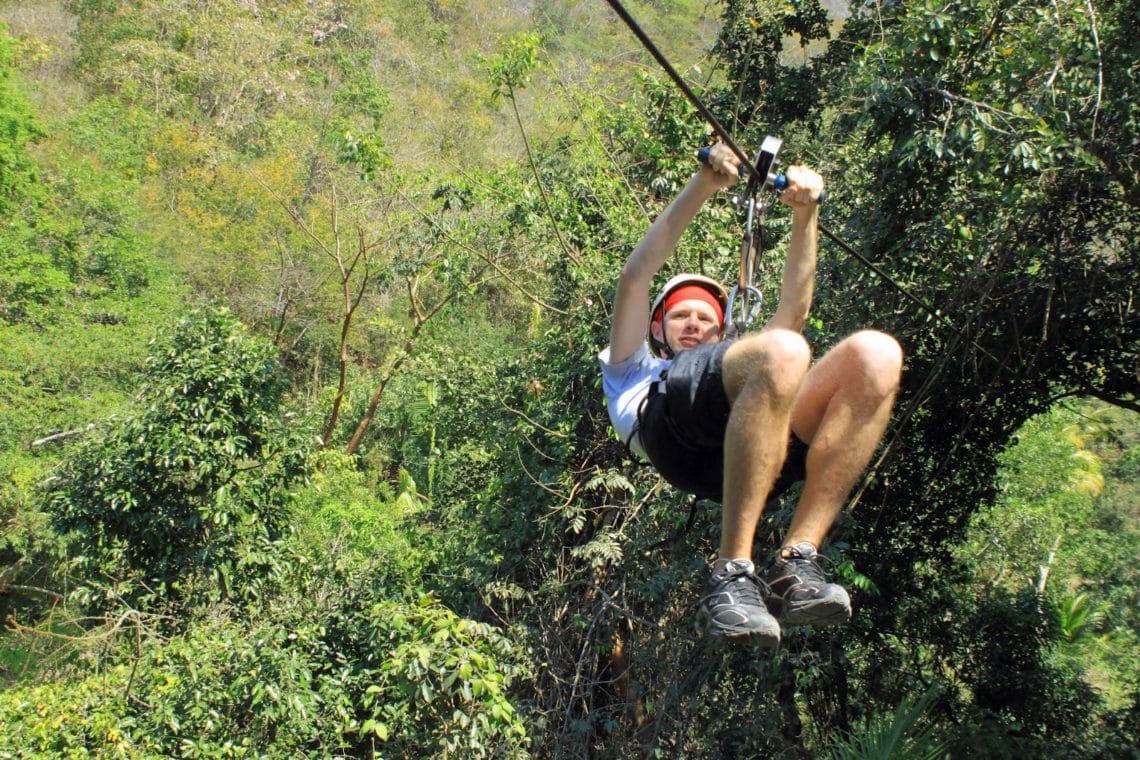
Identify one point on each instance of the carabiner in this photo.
(748, 310)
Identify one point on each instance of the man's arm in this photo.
(631, 301)
(798, 284)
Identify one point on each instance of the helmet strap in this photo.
(662, 346)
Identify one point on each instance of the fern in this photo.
(603, 549)
(899, 735)
(1076, 616)
(609, 481)
(846, 574)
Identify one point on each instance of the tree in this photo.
(967, 148)
(193, 485)
(27, 277)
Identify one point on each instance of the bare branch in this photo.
(61, 436)
(570, 254)
(533, 298)
(522, 414)
(978, 105)
(32, 589)
(292, 212)
(1099, 67)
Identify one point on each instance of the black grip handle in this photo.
(779, 183)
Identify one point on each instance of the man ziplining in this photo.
(737, 421)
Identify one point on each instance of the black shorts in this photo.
(682, 428)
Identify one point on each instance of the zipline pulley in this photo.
(745, 299)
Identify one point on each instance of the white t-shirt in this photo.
(626, 385)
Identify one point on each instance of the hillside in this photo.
(303, 444)
(425, 58)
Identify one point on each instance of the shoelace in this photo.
(754, 591)
(806, 568)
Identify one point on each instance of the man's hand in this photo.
(804, 188)
(722, 168)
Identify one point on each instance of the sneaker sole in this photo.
(765, 639)
(817, 614)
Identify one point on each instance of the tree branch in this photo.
(439, 228)
(61, 436)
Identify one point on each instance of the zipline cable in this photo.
(726, 138)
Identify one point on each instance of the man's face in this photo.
(689, 323)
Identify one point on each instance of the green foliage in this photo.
(1045, 558)
(360, 92)
(902, 735)
(363, 151)
(956, 154)
(119, 138)
(1059, 528)
(659, 130)
(847, 575)
(1008, 670)
(18, 127)
(763, 87)
(1075, 615)
(1048, 494)
(335, 670)
(442, 687)
(25, 277)
(74, 233)
(342, 515)
(228, 689)
(79, 296)
(191, 484)
(512, 68)
(943, 465)
(69, 720)
(91, 229)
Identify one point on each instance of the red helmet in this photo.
(659, 348)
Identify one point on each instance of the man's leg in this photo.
(761, 376)
(841, 410)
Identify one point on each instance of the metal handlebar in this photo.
(778, 180)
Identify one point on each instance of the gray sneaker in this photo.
(801, 593)
(734, 606)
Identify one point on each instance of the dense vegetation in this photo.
(302, 446)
